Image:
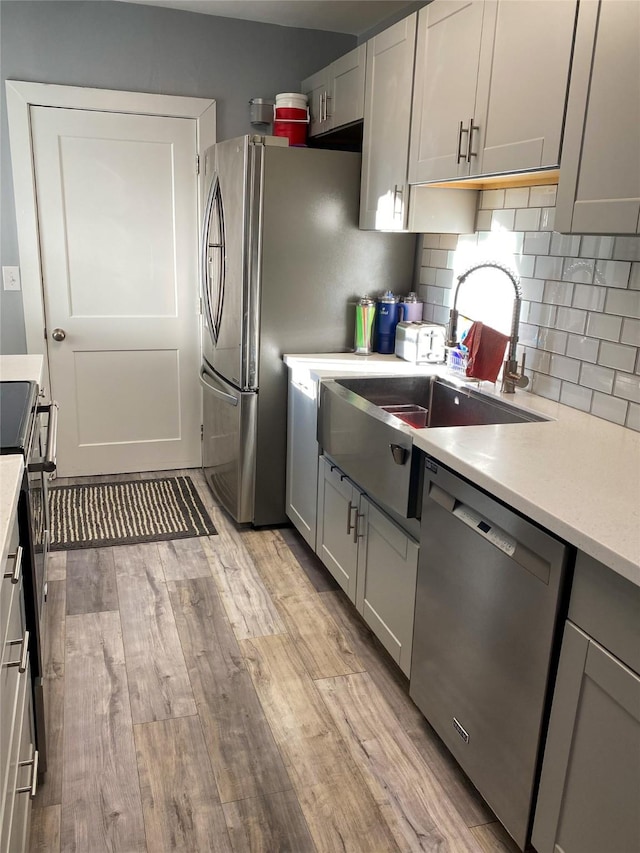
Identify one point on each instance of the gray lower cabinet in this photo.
(589, 797)
(374, 561)
(338, 501)
(302, 454)
(18, 758)
(386, 581)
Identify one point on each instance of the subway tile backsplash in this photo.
(580, 320)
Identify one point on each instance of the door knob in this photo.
(58, 334)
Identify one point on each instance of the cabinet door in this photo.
(315, 88)
(444, 95)
(588, 798)
(302, 454)
(386, 589)
(337, 508)
(387, 116)
(519, 124)
(599, 188)
(346, 95)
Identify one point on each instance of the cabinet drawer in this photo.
(21, 815)
(13, 723)
(11, 685)
(607, 607)
(7, 588)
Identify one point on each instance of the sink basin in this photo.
(364, 426)
(446, 403)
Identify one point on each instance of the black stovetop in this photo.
(17, 406)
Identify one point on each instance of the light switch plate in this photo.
(11, 278)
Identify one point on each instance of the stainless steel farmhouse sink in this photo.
(364, 426)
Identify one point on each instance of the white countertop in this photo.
(576, 475)
(10, 479)
(14, 368)
(21, 368)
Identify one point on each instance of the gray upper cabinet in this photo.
(336, 93)
(387, 118)
(599, 188)
(444, 95)
(490, 87)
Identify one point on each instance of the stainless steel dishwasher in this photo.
(488, 593)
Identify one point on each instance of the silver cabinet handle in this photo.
(17, 565)
(228, 398)
(327, 98)
(58, 335)
(356, 527)
(400, 454)
(31, 788)
(350, 526)
(397, 193)
(470, 152)
(22, 662)
(462, 129)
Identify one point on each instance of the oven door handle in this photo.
(48, 464)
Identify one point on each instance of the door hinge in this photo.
(201, 432)
(45, 333)
(197, 164)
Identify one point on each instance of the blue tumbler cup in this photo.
(386, 322)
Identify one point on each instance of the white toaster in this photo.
(421, 343)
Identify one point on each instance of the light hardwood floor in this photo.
(222, 694)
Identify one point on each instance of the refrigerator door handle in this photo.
(213, 207)
(222, 395)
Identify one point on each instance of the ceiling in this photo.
(342, 16)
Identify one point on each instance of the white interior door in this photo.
(117, 216)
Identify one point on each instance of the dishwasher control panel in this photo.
(490, 532)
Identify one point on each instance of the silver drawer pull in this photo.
(351, 526)
(22, 662)
(31, 788)
(17, 565)
(356, 527)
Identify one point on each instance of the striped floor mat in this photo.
(124, 513)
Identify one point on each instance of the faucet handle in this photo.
(513, 376)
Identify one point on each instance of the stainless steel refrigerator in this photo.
(282, 264)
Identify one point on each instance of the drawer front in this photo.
(10, 766)
(607, 607)
(12, 684)
(7, 588)
(21, 816)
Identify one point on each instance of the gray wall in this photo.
(392, 19)
(109, 45)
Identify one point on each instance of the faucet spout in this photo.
(510, 374)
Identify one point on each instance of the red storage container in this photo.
(291, 117)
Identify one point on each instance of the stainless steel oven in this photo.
(30, 428)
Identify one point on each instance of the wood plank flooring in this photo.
(222, 694)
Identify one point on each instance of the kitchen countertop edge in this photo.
(11, 468)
